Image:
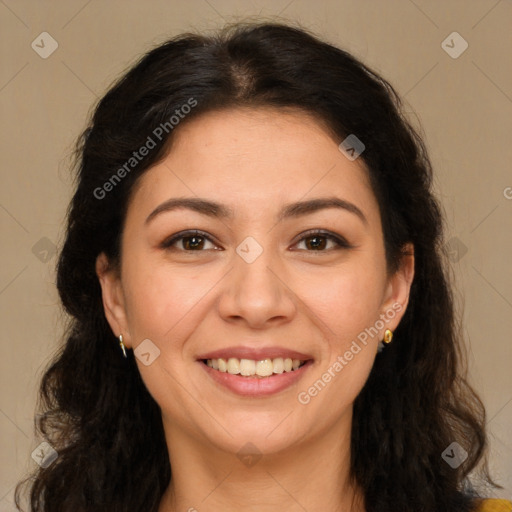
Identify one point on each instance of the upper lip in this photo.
(256, 354)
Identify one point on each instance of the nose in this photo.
(257, 293)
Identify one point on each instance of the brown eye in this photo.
(191, 241)
(319, 240)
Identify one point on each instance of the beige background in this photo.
(464, 105)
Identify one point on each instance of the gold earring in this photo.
(121, 344)
(388, 336)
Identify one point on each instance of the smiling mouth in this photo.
(256, 369)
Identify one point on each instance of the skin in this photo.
(313, 301)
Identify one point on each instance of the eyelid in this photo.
(339, 240)
(168, 242)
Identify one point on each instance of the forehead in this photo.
(253, 157)
(235, 132)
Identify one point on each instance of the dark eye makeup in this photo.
(193, 241)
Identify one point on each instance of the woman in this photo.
(260, 315)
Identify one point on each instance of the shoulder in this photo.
(495, 505)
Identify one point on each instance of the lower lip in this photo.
(254, 386)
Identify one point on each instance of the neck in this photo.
(312, 475)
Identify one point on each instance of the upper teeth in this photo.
(248, 367)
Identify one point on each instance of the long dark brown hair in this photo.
(95, 409)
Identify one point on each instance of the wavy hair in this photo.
(95, 409)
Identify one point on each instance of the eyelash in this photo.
(340, 242)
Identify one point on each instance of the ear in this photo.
(113, 298)
(398, 288)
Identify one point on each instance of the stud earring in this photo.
(121, 344)
(388, 336)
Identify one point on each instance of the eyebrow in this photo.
(220, 211)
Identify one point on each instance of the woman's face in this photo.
(254, 285)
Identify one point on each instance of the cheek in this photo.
(347, 307)
(159, 297)
(347, 300)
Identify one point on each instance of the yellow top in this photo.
(495, 505)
